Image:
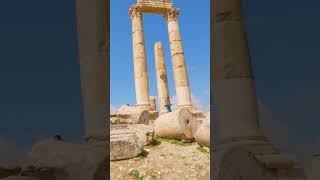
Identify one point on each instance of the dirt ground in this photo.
(165, 160)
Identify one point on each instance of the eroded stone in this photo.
(74, 161)
(145, 133)
(130, 115)
(124, 143)
(178, 124)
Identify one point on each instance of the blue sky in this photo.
(39, 72)
(194, 21)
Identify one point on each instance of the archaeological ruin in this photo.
(239, 139)
(183, 122)
(240, 149)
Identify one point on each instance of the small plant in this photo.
(173, 141)
(153, 143)
(153, 175)
(203, 150)
(136, 175)
(199, 168)
(140, 157)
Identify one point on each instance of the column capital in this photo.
(135, 11)
(172, 14)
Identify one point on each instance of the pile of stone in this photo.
(126, 141)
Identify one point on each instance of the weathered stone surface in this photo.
(178, 124)
(178, 60)
(162, 79)
(124, 143)
(92, 44)
(153, 115)
(238, 162)
(139, 59)
(241, 162)
(153, 103)
(9, 171)
(315, 169)
(19, 178)
(130, 115)
(202, 135)
(78, 161)
(145, 133)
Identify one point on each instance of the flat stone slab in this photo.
(145, 133)
(124, 144)
(137, 117)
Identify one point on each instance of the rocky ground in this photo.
(167, 160)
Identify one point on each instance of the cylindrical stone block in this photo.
(234, 87)
(92, 43)
(178, 125)
(178, 59)
(134, 115)
(139, 59)
(202, 135)
(162, 80)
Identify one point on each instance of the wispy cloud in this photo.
(113, 108)
(195, 100)
(199, 104)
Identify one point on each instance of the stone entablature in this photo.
(155, 3)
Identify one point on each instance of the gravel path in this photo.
(168, 160)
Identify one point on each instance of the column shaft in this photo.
(139, 59)
(235, 101)
(178, 59)
(92, 38)
(162, 80)
(153, 103)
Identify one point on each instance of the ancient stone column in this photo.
(235, 99)
(153, 103)
(162, 80)
(92, 43)
(178, 60)
(315, 169)
(139, 59)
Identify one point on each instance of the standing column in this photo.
(162, 80)
(92, 43)
(153, 103)
(178, 60)
(235, 102)
(139, 59)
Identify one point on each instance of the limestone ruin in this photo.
(178, 125)
(239, 139)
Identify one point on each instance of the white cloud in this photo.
(195, 100)
(10, 153)
(199, 104)
(113, 109)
